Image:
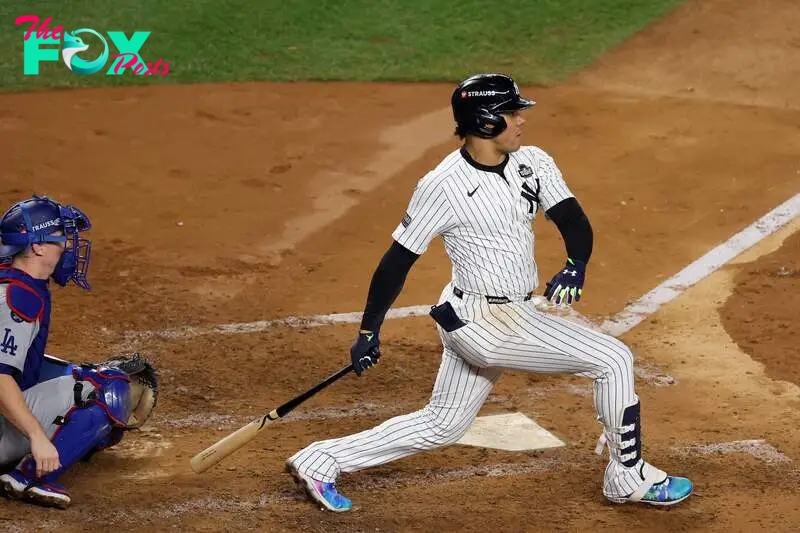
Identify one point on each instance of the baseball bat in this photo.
(227, 445)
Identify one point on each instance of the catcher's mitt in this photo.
(144, 385)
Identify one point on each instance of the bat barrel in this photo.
(224, 447)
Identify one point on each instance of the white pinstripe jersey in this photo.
(485, 216)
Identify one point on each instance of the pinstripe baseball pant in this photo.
(511, 336)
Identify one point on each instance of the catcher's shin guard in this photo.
(142, 386)
(80, 432)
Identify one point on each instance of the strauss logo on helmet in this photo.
(469, 94)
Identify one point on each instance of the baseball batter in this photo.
(54, 413)
(482, 200)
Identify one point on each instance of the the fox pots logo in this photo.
(128, 56)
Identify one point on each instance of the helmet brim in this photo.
(514, 105)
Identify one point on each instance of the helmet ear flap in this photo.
(489, 125)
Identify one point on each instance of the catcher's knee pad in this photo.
(112, 392)
(143, 386)
(80, 431)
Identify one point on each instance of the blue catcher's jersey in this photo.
(24, 324)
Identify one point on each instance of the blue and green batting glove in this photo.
(566, 287)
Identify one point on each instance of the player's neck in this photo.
(30, 267)
(484, 152)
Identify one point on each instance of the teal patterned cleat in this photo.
(669, 492)
(320, 491)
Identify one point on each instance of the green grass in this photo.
(537, 41)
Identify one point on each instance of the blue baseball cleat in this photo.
(669, 492)
(14, 484)
(19, 487)
(320, 491)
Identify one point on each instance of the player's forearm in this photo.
(387, 283)
(15, 410)
(575, 229)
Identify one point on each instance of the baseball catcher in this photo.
(54, 413)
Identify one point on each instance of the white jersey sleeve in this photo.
(429, 214)
(552, 188)
(16, 335)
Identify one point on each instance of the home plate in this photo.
(513, 432)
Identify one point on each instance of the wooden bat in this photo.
(226, 446)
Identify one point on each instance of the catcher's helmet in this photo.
(478, 101)
(33, 221)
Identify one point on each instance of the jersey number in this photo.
(8, 346)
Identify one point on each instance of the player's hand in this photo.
(566, 287)
(365, 351)
(45, 455)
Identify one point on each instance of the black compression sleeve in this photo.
(574, 226)
(387, 282)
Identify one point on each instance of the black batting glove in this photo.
(365, 351)
(566, 287)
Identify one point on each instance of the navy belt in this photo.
(492, 299)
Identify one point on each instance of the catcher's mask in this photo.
(34, 221)
(479, 101)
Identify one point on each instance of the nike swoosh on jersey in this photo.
(473, 192)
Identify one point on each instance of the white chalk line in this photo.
(758, 448)
(621, 323)
(132, 338)
(673, 287)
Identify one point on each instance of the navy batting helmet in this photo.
(478, 101)
(34, 221)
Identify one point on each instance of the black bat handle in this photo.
(284, 409)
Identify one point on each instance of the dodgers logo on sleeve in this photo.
(8, 346)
